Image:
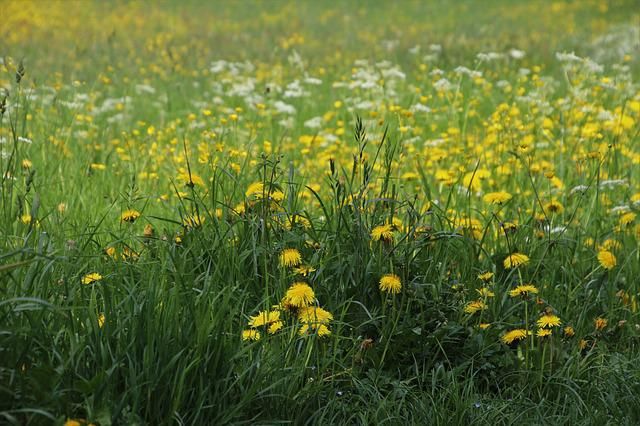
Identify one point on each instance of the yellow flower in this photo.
(627, 218)
(486, 276)
(607, 259)
(304, 270)
(274, 327)
(299, 295)
(130, 216)
(600, 323)
(548, 321)
(264, 318)
(543, 332)
(475, 306)
(485, 292)
(290, 257)
(250, 334)
(101, 320)
(321, 329)
(484, 325)
(515, 259)
(91, 278)
(314, 315)
(193, 221)
(523, 290)
(554, 207)
(255, 189)
(514, 336)
(390, 283)
(497, 197)
(569, 331)
(383, 232)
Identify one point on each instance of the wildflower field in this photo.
(267, 212)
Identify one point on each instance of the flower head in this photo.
(486, 276)
(548, 321)
(600, 323)
(514, 336)
(382, 232)
(523, 290)
(264, 318)
(250, 334)
(497, 197)
(299, 295)
(390, 283)
(607, 259)
(91, 278)
(130, 216)
(475, 306)
(515, 259)
(290, 257)
(543, 332)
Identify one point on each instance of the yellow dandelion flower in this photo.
(299, 295)
(314, 315)
(569, 331)
(485, 276)
(255, 189)
(193, 221)
(497, 197)
(264, 318)
(129, 216)
(390, 283)
(475, 306)
(485, 292)
(523, 290)
(383, 232)
(607, 259)
(304, 270)
(600, 323)
(290, 257)
(91, 278)
(554, 207)
(548, 321)
(543, 332)
(101, 320)
(514, 336)
(484, 325)
(250, 334)
(627, 218)
(274, 327)
(515, 259)
(320, 329)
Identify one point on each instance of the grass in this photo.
(158, 161)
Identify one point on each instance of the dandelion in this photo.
(299, 295)
(569, 331)
(607, 259)
(485, 292)
(484, 325)
(514, 336)
(515, 259)
(543, 332)
(321, 330)
(314, 314)
(290, 257)
(383, 232)
(274, 327)
(498, 198)
(600, 323)
(523, 290)
(485, 276)
(250, 335)
(130, 216)
(91, 278)
(390, 283)
(475, 306)
(548, 321)
(264, 318)
(193, 221)
(101, 320)
(304, 270)
(554, 207)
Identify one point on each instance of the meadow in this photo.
(269, 212)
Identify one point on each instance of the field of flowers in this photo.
(335, 212)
